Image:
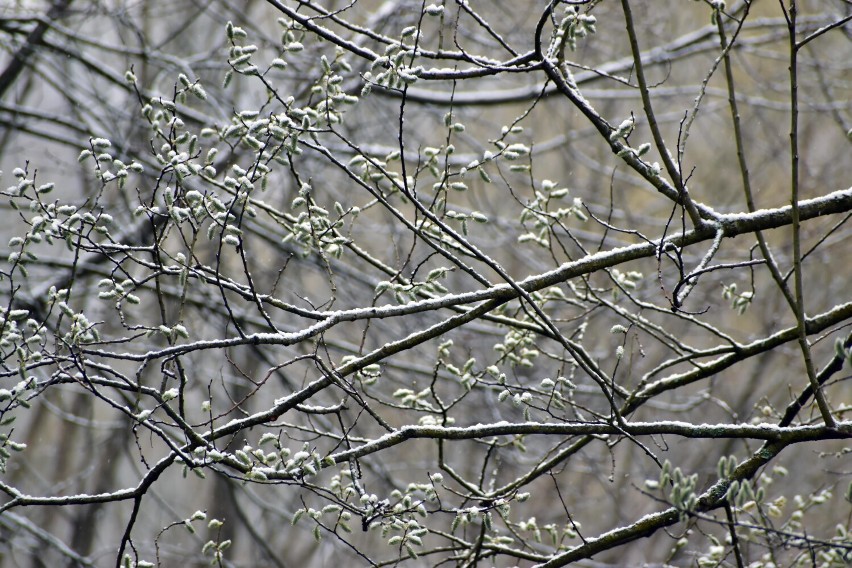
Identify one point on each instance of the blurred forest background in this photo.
(482, 283)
